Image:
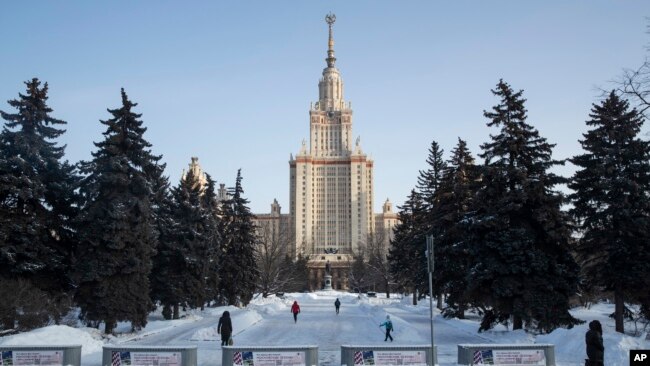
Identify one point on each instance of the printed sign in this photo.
(390, 358)
(146, 358)
(504, 357)
(31, 358)
(269, 358)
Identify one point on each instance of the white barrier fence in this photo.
(149, 355)
(507, 354)
(69, 355)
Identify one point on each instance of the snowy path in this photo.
(268, 322)
(318, 324)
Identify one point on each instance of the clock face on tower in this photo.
(330, 114)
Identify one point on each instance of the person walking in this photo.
(389, 327)
(594, 341)
(225, 328)
(337, 304)
(295, 309)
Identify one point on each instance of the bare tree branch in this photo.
(275, 242)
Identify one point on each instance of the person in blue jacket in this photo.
(389, 328)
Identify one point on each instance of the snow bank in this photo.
(241, 319)
(90, 339)
(570, 345)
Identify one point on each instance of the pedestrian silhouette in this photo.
(295, 309)
(337, 304)
(225, 328)
(389, 327)
(594, 341)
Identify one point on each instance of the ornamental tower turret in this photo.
(331, 116)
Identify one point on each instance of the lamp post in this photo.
(429, 254)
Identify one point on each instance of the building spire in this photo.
(330, 19)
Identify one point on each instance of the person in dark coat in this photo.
(594, 341)
(337, 304)
(225, 328)
(295, 309)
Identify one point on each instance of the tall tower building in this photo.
(331, 181)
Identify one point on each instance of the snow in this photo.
(90, 339)
(267, 322)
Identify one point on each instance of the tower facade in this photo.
(331, 178)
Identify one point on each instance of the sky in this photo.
(230, 82)
(266, 323)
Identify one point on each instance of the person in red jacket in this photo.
(295, 309)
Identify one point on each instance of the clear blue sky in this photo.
(231, 82)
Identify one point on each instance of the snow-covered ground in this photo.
(268, 322)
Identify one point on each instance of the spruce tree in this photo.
(238, 272)
(212, 208)
(172, 280)
(119, 236)
(159, 279)
(428, 184)
(612, 205)
(455, 198)
(406, 257)
(520, 238)
(429, 179)
(37, 200)
(191, 237)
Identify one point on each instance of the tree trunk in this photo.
(517, 323)
(109, 326)
(8, 322)
(439, 301)
(387, 286)
(461, 311)
(619, 311)
(415, 296)
(176, 315)
(167, 311)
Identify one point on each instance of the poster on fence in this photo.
(412, 358)
(31, 358)
(146, 358)
(269, 358)
(502, 357)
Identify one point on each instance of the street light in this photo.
(429, 254)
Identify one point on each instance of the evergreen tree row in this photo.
(109, 235)
(505, 247)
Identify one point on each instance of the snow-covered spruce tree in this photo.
(212, 207)
(428, 184)
(37, 203)
(238, 273)
(429, 179)
(406, 253)
(612, 205)
(522, 265)
(159, 278)
(191, 237)
(172, 279)
(118, 237)
(455, 195)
